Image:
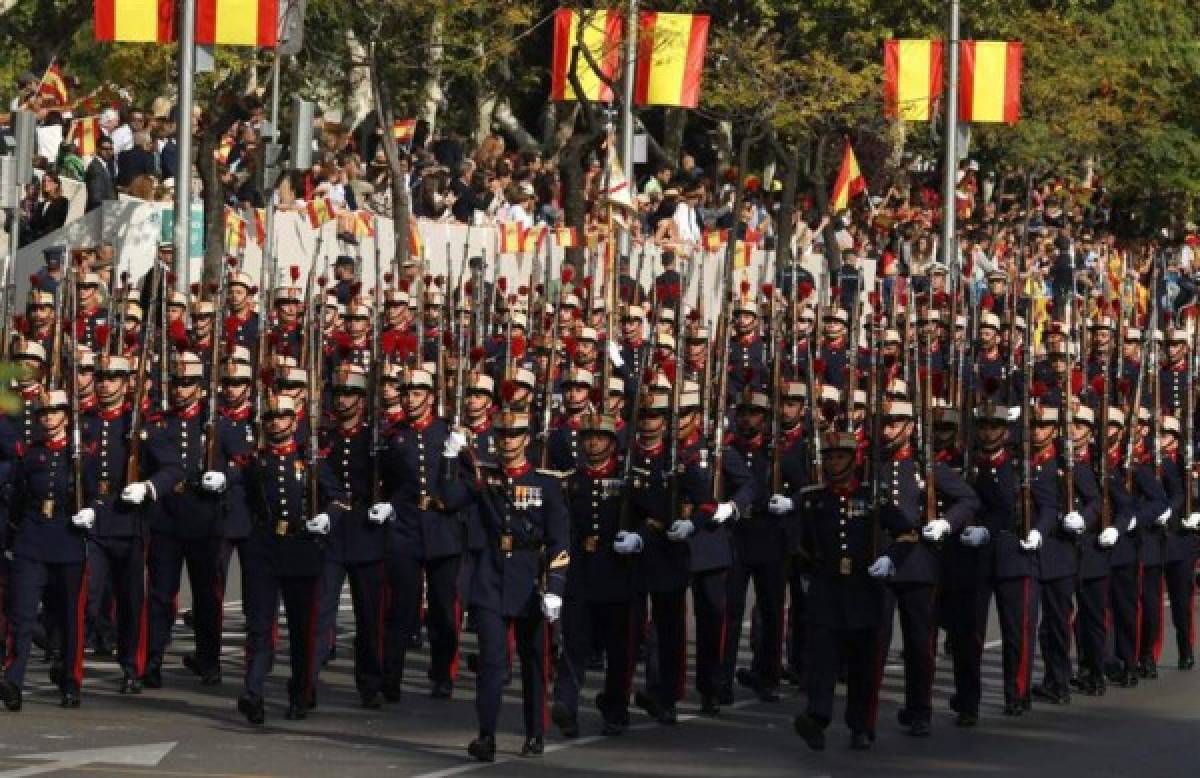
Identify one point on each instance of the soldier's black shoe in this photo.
(296, 710)
(614, 723)
(152, 679)
(533, 746)
(392, 691)
(1187, 662)
(483, 748)
(131, 685)
(708, 705)
(70, 699)
(371, 700)
(251, 706)
(966, 720)
(565, 719)
(10, 694)
(1051, 695)
(668, 717)
(919, 729)
(904, 717)
(1148, 669)
(55, 673)
(859, 741)
(209, 676)
(810, 731)
(442, 690)
(646, 702)
(725, 694)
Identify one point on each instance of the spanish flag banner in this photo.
(54, 86)
(319, 211)
(743, 253)
(135, 21)
(850, 181)
(670, 59)
(714, 239)
(566, 237)
(532, 238)
(510, 237)
(237, 22)
(989, 85)
(601, 36)
(85, 134)
(912, 78)
(403, 130)
(235, 231)
(416, 246)
(364, 224)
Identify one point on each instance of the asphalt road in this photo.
(187, 730)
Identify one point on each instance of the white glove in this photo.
(975, 536)
(213, 481)
(319, 524)
(627, 543)
(779, 504)
(614, 355)
(1132, 524)
(85, 519)
(724, 512)
(1108, 538)
(380, 512)
(681, 529)
(1191, 522)
(455, 442)
(1073, 522)
(551, 606)
(135, 493)
(1163, 518)
(935, 530)
(883, 567)
(1014, 413)
(1032, 541)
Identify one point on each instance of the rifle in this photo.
(8, 278)
(1189, 418)
(76, 426)
(61, 324)
(773, 327)
(211, 447)
(375, 412)
(316, 358)
(1148, 354)
(133, 465)
(568, 273)
(1069, 411)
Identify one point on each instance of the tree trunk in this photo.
(507, 121)
(214, 210)
(724, 140)
(785, 229)
(401, 205)
(674, 121)
(833, 257)
(431, 93)
(359, 99)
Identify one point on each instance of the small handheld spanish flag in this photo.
(566, 237)
(54, 85)
(531, 238)
(403, 130)
(510, 237)
(364, 224)
(714, 239)
(85, 134)
(319, 210)
(850, 181)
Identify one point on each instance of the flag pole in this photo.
(183, 175)
(950, 162)
(625, 246)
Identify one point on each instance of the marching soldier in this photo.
(48, 546)
(845, 603)
(566, 451)
(520, 575)
(284, 557)
(599, 586)
(1095, 544)
(747, 351)
(1180, 558)
(241, 324)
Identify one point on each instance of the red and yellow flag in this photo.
(364, 224)
(850, 181)
(566, 237)
(670, 59)
(601, 37)
(319, 211)
(510, 237)
(912, 78)
(989, 85)
(235, 231)
(714, 239)
(260, 226)
(237, 22)
(54, 85)
(135, 21)
(85, 134)
(531, 239)
(403, 130)
(743, 253)
(416, 246)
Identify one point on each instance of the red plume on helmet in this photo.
(178, 334)
(1097, 385)
(818, 368)
(1076, 380)
(502, 283)
(342, 344)
(568, 273)
(102, 334)
(745, 287)
(404, 285)
(448, 339)
(294, 272)
(768, 290)
(518, 346)
(21, 324)
(195, 289)
(805, 289)
(508, 390)
(1038, 389)
(873, 299)
(477, 354)
(523, 290)
(987, 301)
(586, 283)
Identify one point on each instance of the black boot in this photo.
(251, 706)
(533, 746)
(810, 730)
(565, 719)
(10, 694)
(483, 748)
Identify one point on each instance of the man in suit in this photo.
(136, 161)
(100, 175)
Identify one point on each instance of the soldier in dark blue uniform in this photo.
(845, 603)
(9, 457)
(30, 359)
(760, 553)
(356, 544)
(1157, 509)
(1180, 560)
(284, 557)
(566, 450)
(423, 538)
(747, 350)
(520, 575)
(91, 313)
(834, 350)
(911, 562)
(1012, 558)
(599, 588)
(1059, 566)
(287, 335)
(48, 546)
(185, 520)
(241, 324)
